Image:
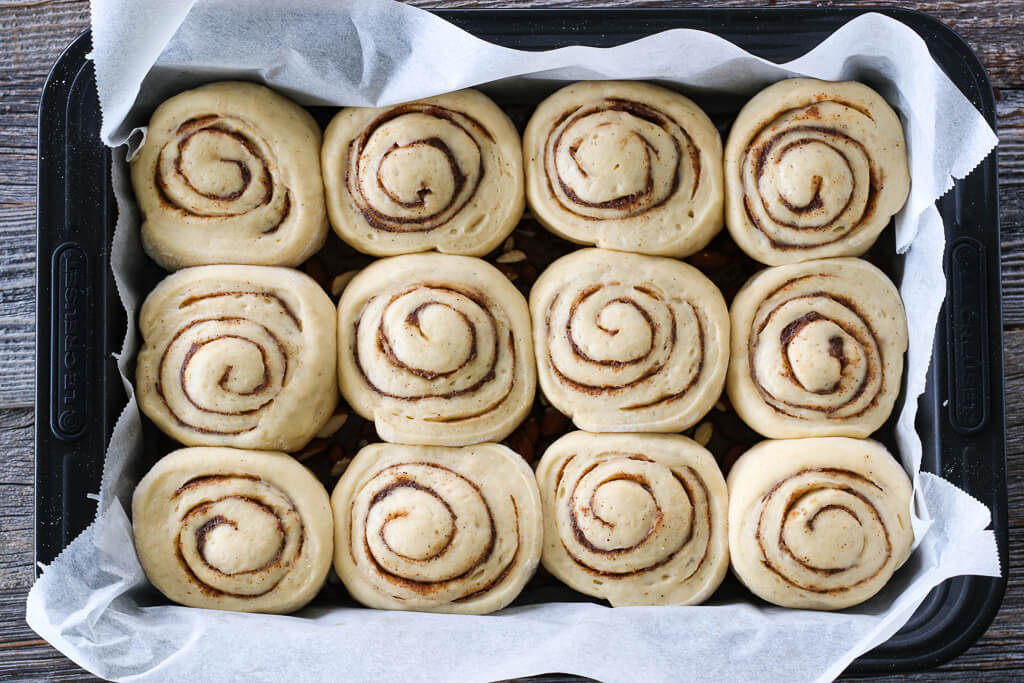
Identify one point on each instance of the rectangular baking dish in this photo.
(81, 323)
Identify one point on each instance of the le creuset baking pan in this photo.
(80, 322)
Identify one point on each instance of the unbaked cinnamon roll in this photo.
(437, 529)
(443, 173)
(818, 523)
(813, 169)
(241, 356)
(231, 529)
(230, 173)
(817, 349)
(625, 165)
(638, 519)
(629, 343)
(435, 349)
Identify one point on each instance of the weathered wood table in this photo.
(32, 35)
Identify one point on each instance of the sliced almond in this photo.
(339, 282)
(336, 422)
(338, 468)
(514, 256)
(703, 433)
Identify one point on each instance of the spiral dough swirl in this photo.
(437, 529)
(435, 349)
(229, 173)
(238, 355)
(443, 173)
(818, 523)
(638, 519)
(231, 529)
(625, 165)
(626, 342)
(813, 169)
(817, 349)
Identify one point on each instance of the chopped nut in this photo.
(509, 245)
(336, 422)
(519, 442)
(532, 430)
(707, 259)
(730, 457)
(552, 423)
(314, 268)
(339, 282)
(312, 448)
(703, 433)
(514, 256)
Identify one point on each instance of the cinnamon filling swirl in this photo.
(235, 529)
(437, 529)
(638, 519)
(817, 349)
(228, 173)
(434, 201)
(661, 158)
(818, 523)
(442, 173)
(229, 353)
(209, 139)
(813, 169)
(628, 342)
(625, 165)
(431, 358)
(254, 510)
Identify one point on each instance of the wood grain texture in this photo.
(32, 35)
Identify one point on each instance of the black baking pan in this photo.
(81, 323)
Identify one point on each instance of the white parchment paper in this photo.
(90, 603)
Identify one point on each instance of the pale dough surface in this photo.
(231, 529)
(437, 529)
(818, 523)
(638, 519)
(817, 349)
(444, 173)
(629, 343)
(813, 169)
(625, 165)
(230, 173)
(241, 356)
(435, 349)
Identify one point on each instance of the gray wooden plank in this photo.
(32, 34)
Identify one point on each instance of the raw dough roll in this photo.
(222, 528)
(435, 349)
(813, 169)
(241, 356)
(443, 173)
(818, 523)
(625, 165)
(436, 529)
(638, 519)
(230, 173)
(817, 349)
(629, 343)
